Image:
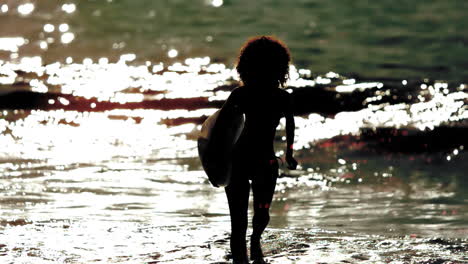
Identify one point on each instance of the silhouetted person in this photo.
(263, 66)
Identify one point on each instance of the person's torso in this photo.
(263, 111)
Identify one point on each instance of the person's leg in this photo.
(263, 186)
(237, 193)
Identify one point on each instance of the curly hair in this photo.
(264, 60)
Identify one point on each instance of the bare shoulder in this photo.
(238, 92)
(235, 98)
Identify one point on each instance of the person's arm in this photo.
(290, 127)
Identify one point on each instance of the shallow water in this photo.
(158, 212)
(89, 180)
(98, 129)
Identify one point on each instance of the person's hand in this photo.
(292, 163)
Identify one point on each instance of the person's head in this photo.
(264, 60)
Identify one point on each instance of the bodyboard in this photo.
(218, 136)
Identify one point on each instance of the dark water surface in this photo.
(417, 39)
(101, 103)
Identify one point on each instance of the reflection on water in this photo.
(104, 168)
(423, 39)
(101, 105)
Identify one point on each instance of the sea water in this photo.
(101, 104)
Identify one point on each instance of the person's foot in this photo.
(245, 261)
(256, 253)
(240, 258)
(239, 252)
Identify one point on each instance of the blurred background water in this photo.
(101, 103)
(422, 39)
